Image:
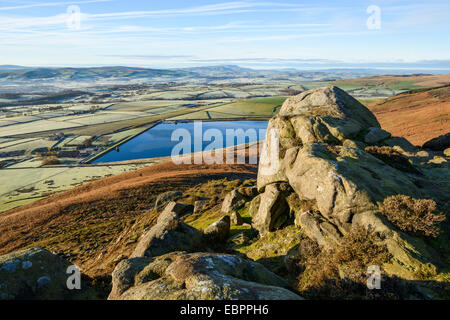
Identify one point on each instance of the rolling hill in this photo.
(417, 115)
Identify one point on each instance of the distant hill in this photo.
(20, 73)
(400, 81)
(11, 67)
(88, 73)
(418, 115)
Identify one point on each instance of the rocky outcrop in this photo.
(322, 138)
(37, 274)
(169, 234)
(197, 276)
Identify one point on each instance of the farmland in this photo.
(48, 138)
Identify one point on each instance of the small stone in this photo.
(201, 205)
(164, 198)
(236, 218)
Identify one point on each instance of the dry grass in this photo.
(418, 216)
(335, 273)
(418, 117)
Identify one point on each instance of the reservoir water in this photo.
(157, 141)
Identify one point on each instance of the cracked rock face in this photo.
(322, 137)
(197, 276)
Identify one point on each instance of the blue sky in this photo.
(258, 34)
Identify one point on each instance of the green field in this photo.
(251, 108)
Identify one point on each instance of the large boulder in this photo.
(327, 115)
(169, 234)
(345, 181)
(329, 102)
(198, 276)
(37, 274)
(321, 154)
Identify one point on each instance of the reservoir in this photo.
(157, 141)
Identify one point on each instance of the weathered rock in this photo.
(251, 192)
(404, 144)
(328, 102)
(344, 181)
(37, 274)
(318, 229)
(169, 234)
(412, 253)
(438, 144)
(124, 273)
(322, 158)
(198, 276)
(354, 144)
(238, 240)
(236, 219)
(164, 198)
(376, 135)
(326, 115)
(447, 152)
(176, 210)
(254, 206)
(201, 205)
(219, 231)
(273, 210)
(119, 258)
(233, 201)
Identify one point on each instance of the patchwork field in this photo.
(77, 129)
(259, 108)
(20, 186)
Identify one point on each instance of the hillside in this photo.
(400, 81)
(417, 115)
(82, 222)
(87, 73)
(345, 196)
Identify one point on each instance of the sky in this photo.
(257, 34)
